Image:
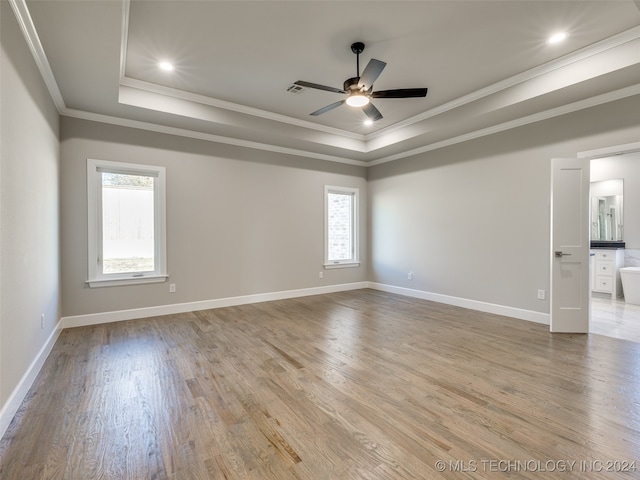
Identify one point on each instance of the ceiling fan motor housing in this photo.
(351, 85)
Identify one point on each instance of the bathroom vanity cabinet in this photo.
(605, 271)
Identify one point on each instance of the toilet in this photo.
(631, 284)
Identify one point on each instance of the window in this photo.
(341, 227)
(126, 205)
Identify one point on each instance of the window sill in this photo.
(114, 282)
(329, 266)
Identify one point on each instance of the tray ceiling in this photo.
(487, 65)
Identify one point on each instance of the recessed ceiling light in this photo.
(368, 122)
(166, 66)
(557, 37)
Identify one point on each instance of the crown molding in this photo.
(611, 151)
(519, 122)
(546, 68)
(124, 37)
(182, 132)
(235, 107)
(367, 147)
(545, 115)
(30, 34)
(582, 54)
(211, 101)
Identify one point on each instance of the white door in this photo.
(570, 293)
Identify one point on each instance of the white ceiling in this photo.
(486, 63)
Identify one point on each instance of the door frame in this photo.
(604, 152)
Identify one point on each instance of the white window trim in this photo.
(352, 262)
(95, 277)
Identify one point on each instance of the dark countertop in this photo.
(607, 244)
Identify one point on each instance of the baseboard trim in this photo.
(19, 393)
(519, 313)
(132, 314)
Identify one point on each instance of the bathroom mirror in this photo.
(607, 210)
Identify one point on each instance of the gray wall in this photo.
(472, 220)
(29, 198)
(239, 221)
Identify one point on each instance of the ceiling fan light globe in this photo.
(357, 100)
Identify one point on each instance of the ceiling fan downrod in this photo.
(357, 48)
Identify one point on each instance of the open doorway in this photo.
(615, 242)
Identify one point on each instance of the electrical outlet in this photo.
(172, 288)
(320, 274)
(42, 321)
(410, 275)
(541, 294)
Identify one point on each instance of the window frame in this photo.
(354, 261)
(95, 277)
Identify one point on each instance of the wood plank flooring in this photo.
(351, 385)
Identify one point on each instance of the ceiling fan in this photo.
(359, 89)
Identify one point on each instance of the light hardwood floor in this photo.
(352, 385)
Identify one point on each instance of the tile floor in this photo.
(615, 318)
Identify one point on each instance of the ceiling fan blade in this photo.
(371, 72)
(327, 108)
(372, 112)
(318, 87)
(401, 93)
